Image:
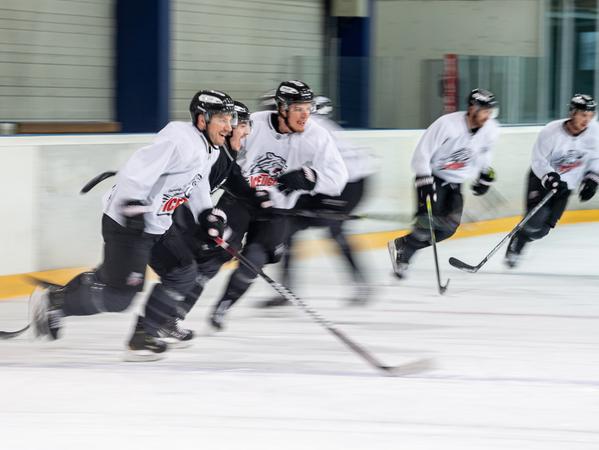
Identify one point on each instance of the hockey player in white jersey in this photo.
(360, 166)
(186, 242)
(455, 148)
(289, 155)
(155, 180)
(565, 158)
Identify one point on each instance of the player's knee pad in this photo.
(180, 279)
(420, 235)
(275, 255)
(536, 231)
(446, 233)
(257, 255)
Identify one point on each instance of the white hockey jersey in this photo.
(449, 150)
(173, 170)
(358, 160)
(556, 150)
(268, 154)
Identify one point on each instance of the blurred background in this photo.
(132, 65)
(90, 81)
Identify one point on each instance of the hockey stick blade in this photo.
(13, 334)
(316, 317)
(458, 264)
(95, 180)
(41, 283)
(409, 368)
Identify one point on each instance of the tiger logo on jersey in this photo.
(266, 170)
(570, 161)
(457, 160)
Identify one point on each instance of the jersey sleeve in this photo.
(331, 173)
(541, 153)
(592, 164)
(429, 142)
(491, 141)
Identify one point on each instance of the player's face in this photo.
(480, 116)
(219, 128)
(579, 120)
(241, 131)
(298, 115)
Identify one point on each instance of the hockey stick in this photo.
(95, 180)
(327, 214)
(429, 210)
(13, 334)
(473, 269)
(417, 366)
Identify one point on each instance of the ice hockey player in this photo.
(455, 148)
(185, 241)
(156, 179)
(287, 154)
(360, 165)
(565, 158)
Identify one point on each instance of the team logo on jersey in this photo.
(570, 161)
(266, 169)
(175, 197)
(457, 160)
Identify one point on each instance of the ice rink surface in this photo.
(516, 353)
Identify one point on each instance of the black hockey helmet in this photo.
(293, 91)
(582, 102)
(243, 112)
(482, 98)
(323, 105)
(209, 102)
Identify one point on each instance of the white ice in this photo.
(516, 352)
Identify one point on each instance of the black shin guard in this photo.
(243, 277)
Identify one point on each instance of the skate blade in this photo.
(142, 356)
(393, 255)
(38, 306)
(176, 343)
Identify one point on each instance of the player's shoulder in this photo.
(261, 117)
(594, 127)
(449, 120)
(552, 127)
(176, 128)
(184, 136)
(326, 123)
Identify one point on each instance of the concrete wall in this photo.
(410, 32)
(56, 60)
(46, 224)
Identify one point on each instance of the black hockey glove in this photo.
(261, 199)
(212, 224)
(133, 211)
(588, 187)
(552, 180)
(425, 187)
(304, 178)
(483, 182)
